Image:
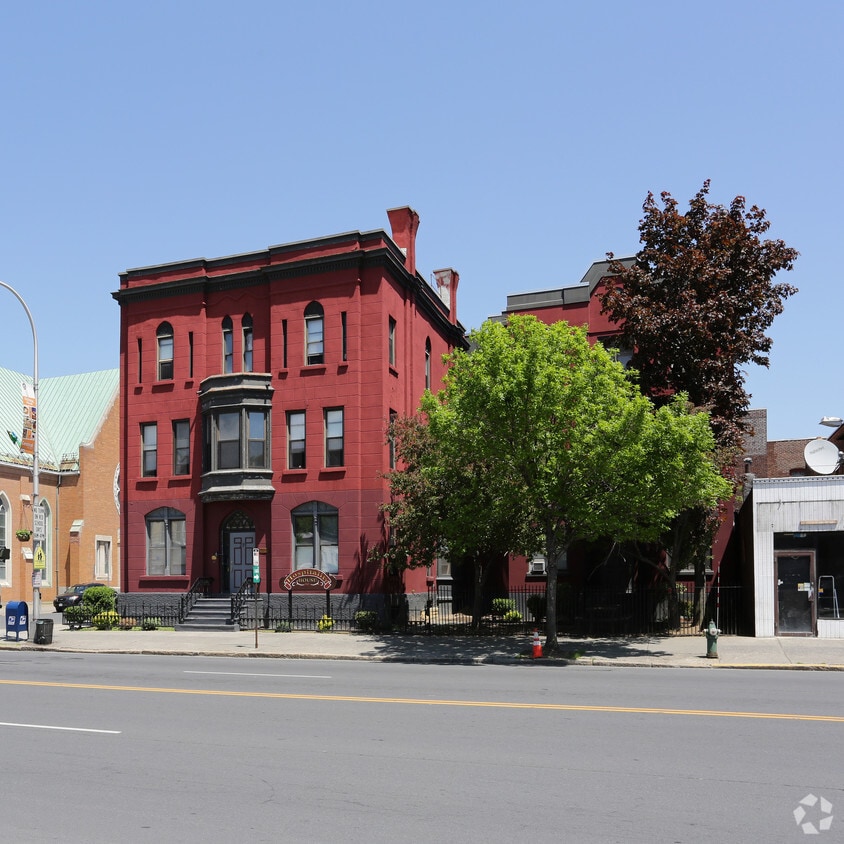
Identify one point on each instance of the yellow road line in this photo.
(553, 707)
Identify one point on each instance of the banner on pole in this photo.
(29, 418)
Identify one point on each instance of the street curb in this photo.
(493, 659)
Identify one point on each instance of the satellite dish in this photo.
(821, 456)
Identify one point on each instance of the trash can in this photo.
(44, 631)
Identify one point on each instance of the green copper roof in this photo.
(71, 409)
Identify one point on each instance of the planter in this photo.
(23, 535)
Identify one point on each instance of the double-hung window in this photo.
(247, 343)
(228, 440)
(314, 334)
(228, 347)
(149, 449)
(181, 447)
(166, 542)
(391, 439)
(5, 520)
(315, 537)
(334, 437)
(391, 343)
(256, 439)
(295, 439)
(102, 558)
(164, 335)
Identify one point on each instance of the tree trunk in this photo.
(479, 571)
(700, 590)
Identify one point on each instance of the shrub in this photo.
(105, 620)
(325, 624)
(500, 606)
(127, 623)
(284, 627)
(99, 599)
(77, 616)
(512, 616)
(366, 620)
(151, 624)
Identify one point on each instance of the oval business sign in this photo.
(308, 577)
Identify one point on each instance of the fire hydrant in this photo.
(712, 641)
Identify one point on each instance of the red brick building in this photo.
(255, 394)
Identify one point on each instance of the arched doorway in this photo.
(238, 542)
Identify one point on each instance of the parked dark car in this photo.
(72, 596)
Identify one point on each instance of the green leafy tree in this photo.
(444, 503)
(694, 307)
(541, 438)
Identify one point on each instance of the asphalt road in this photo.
(140, 748)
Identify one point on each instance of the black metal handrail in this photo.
(199, 588)
(239, 599)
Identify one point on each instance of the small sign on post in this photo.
(39, 563)
(256, 566)
(256, 579)
(39, 523)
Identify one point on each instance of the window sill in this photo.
(313, 369)
(332, 470)
(171, 580)
(163, 387)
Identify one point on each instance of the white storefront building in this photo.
(795, 542)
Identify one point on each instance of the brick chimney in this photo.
(405, 223)
(447, 281)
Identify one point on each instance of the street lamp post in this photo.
(37, 543)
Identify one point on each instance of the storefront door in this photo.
(795, 577)
(241, 544)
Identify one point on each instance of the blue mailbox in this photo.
(17, 619)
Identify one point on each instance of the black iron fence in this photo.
(149, 615)
(448, 610)
(303, 618)
(583, 611)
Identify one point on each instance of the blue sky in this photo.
(526, 136)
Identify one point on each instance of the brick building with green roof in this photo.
(78, 453)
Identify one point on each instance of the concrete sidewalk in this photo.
(656, 651)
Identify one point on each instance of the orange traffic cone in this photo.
(537, 645)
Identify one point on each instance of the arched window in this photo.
(166, 542)
(5, 540)
(165, 351)
(428, 363)
(247, 342)
(314, 335)
(228, 346)
(315, 537)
